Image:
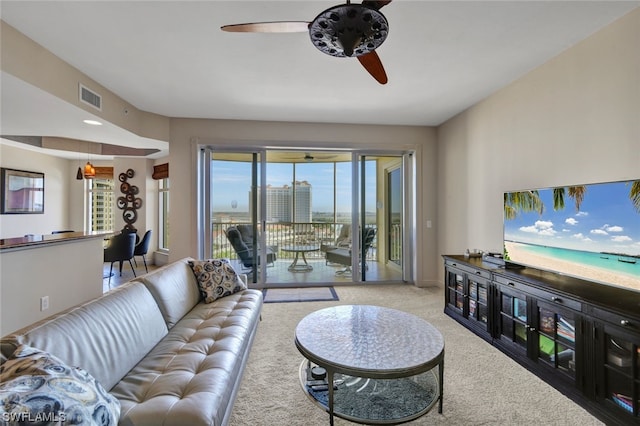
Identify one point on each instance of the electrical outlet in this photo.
(44, 303)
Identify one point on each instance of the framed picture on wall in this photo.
(22, 192)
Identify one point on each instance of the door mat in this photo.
(304, 294)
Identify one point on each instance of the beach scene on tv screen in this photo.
(587, 231)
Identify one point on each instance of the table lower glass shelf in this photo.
(376, 401)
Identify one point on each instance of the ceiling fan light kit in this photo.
(344, 31)
(348, 30)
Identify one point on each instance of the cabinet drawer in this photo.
(542, 295)
(556, 299)
(468, 269)
(511, 283)
(479, 273)
(633, 324)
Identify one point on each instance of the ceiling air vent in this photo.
(90, 98)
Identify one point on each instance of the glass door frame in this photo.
(409, 252)
(259, 279)
(408, 207)
(390, 194)
(204, 190)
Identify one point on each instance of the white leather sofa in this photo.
(169, 358)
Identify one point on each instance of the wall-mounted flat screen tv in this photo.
(586, 231)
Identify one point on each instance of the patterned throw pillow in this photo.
(38, 388)
(216, 278)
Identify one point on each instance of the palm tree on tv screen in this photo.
(522, 201)
(575, 192)
(529, 201)
(634, 194)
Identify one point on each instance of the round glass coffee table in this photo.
(385, 366)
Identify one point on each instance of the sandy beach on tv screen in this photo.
(518, 255)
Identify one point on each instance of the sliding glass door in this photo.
(312, 192)
(381, 213)
(307, 218)
(232, 211)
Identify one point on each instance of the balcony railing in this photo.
(283, 234)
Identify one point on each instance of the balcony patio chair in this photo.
(244, 251)
(343, 240)
(342, 256)
(246, 232)
(121, 247)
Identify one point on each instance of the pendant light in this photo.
(79, 173)
(89, 171)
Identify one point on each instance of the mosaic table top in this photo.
(369, 341)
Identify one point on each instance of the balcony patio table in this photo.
(300, 250)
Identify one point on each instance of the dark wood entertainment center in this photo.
(579, 336)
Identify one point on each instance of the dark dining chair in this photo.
(142, 248)
(121, 247)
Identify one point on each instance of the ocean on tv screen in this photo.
(588, 231)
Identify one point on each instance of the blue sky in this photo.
(232, 180)
(607, 221)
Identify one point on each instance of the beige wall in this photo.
(59, 176)
(187, 133)
(64, 195)
(32, 63)
(26, 275)
(573, 120)
(69, 273)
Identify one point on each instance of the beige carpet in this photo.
(481, 386)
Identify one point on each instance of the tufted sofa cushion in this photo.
(191, 376)
(106, 336)
(175, 289)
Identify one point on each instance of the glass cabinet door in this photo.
(455, 289)
(557, 339)
(513, 318)
(622, 373)
(478, 301)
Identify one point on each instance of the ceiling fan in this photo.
(309, 157)
(344, 30)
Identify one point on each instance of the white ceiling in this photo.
(171, 58)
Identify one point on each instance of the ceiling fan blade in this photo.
(268, 27)
(375, 4)
(371, 62)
